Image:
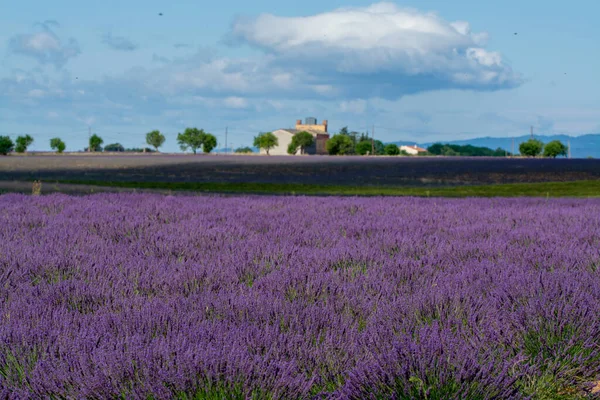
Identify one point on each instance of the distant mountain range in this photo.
(581, 146)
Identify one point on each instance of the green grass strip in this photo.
(543, 189)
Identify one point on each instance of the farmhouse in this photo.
(284, 136)
(413, 150)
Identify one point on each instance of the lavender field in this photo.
(150, 296)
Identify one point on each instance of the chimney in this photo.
(325, 124)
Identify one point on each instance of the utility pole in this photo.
(531, 130)
(226, 151)
(373, 141)
(569, 147)
(89, 139)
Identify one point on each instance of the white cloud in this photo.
(45, 46)
(353, 106)
(349, 46)
(235, 102)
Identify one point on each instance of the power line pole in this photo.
(531, 130)
(569, 147)
(226, 151)
(89, 139)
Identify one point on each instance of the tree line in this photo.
(439, 149)
(193, 139)
(343, 143)
(351, 143)
(530, 148)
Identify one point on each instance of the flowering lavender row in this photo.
(149, 296)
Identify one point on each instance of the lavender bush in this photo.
(148, 296)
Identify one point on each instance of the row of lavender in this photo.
(148, 296)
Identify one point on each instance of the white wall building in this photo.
(284, 138)
(413, 150)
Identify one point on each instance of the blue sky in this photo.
(416, 70)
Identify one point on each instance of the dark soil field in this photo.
(318, 170)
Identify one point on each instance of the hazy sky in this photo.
(416, 70)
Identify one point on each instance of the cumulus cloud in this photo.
(380, 50)
(120, 43)
(235, 102)
(45, 45)
(348, 56)
(353, 106)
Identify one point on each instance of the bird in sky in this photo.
(160, 14)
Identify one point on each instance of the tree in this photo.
(555, 148)
(340, 145)
(439, 149)
(116, 147)
(6, 145)
(436, 149)
(209, 143)
(244, 150)
(449, 151)
(379, 147)
(57, 144)
(140, 150)
(266, 141)
(302, 140)
(391, 150)
(192, 138)
(22, 143)
(531, 148)
(364, 147)
(352, 135)
(155, 139)
(96, 143)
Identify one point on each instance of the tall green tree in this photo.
(300, 140)
(22, 143)
(191, 138)
(391, 150)
(155, 139)
(6, 145)
(340, 145)
(555, 148)
(57, 144)
(96, 143)
(354, 136)
(531, 148)
(366, 145)
(379, 147)
(363, 147)
(266, 141)
(209, 143)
